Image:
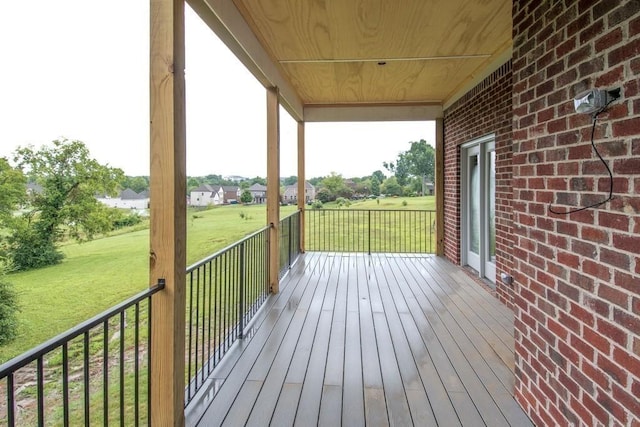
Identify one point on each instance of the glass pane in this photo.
(474, 204)
(492, 206)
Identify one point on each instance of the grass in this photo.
(99, 274)
(403, 203)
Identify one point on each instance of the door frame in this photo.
(480, 146)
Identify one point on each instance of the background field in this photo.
(99, 274)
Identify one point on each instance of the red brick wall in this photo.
(577, 276)
(484, 110)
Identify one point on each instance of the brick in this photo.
(626, 281)
(624, 12)
(611, 406)
(631, 88)
(632, 403)
(610, 39)
(569, 259)
(591, 66)
(627, 361)
(634, 27)
(626, 127)
(613, 220)
(611, 331)
(614, 148)
(596, 375)
(597, 305)
(614, 258)
(609, 78)
(586, 249)
(620, 185)
(597, 235)
(580, 152)
(627, 320)
(626, 52)
(595, 409)
(591, 31)
(625, 242)
(613, 295)
(583, 315)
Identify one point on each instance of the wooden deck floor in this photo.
(355, 339)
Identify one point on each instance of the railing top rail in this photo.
(367, 210)
(44, 348)
(290, 215)
(194, 266)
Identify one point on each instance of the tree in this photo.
(375, 186)
(324, 195)
(13, 190)
(417, 161)
(290, 180)
(392, 187)
(136, 183)
(334, 184)
(258, 180)
(420, 159)
(378, 174)
(246, 197)
(70, 179)
(399, 169)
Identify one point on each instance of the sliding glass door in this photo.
(479, 206)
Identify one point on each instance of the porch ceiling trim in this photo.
(493, 63)
(371, 113)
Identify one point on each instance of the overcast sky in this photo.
(79, 69)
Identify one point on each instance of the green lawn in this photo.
(99, 274)
(420, 203)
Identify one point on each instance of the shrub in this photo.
(30, 249)
(317, 204)
(404, 203)
(324, 195)
(8, 310)
(126, 221)
(341, 201)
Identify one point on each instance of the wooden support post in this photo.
(302, 195)
(273, 186)
(168, 211)
(439, 187)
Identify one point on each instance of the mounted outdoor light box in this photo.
(594, 100)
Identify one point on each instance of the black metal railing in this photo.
(97, 372)
(359, 230)
(224, 291)
(289, 247)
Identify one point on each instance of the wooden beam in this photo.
(224, 19)
(273, 186)
(302, 195)
(372, 112)
(168, 211)
(439, 187)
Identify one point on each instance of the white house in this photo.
(204, 195)
(127, 199)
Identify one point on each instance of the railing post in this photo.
(290, 240)
(369, 239)
(241, 296)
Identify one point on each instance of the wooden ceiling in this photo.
(367, 52)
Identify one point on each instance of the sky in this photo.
(78, 69)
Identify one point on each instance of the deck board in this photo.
(355, 339)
